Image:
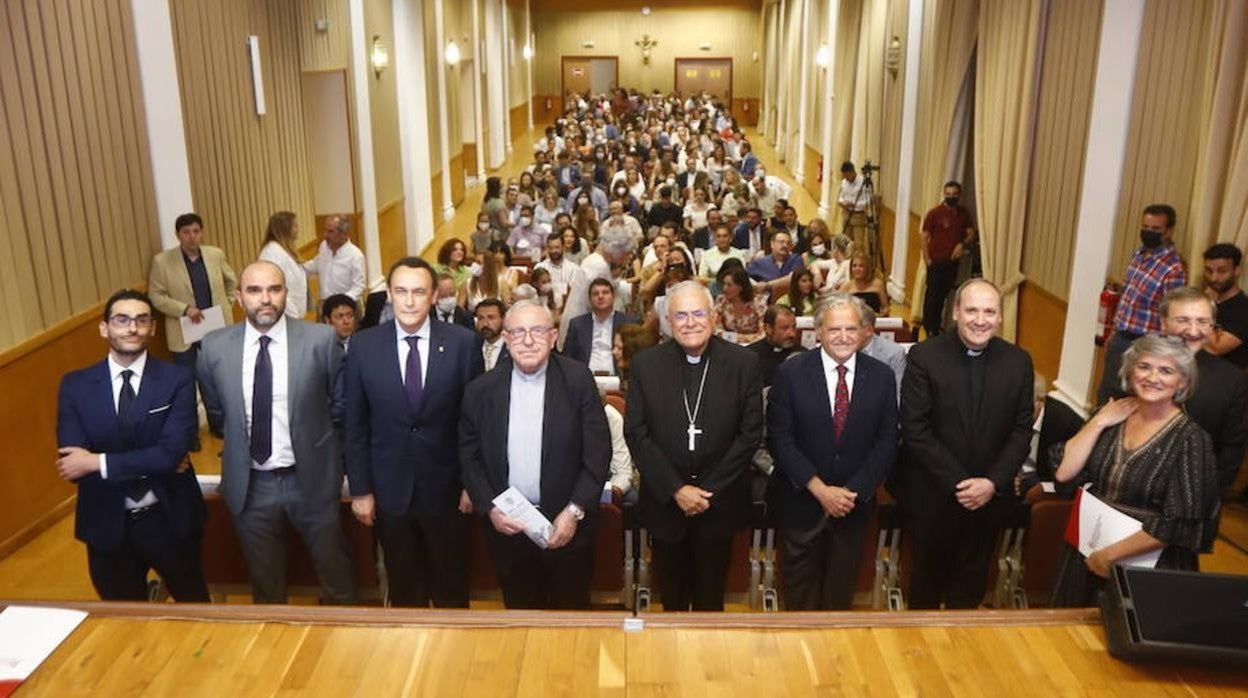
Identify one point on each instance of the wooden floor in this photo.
(1046, 656)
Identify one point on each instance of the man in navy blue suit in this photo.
(124, 426)
(832, 430)
(405, 380)
(590, 336)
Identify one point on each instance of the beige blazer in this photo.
(169, 286)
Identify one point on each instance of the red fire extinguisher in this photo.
(1105, 312)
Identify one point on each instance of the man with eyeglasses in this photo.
(539, 428)
(405, 381)
(694, 421)
(1221, 396)
(124, 426)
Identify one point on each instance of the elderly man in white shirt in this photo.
(768, 189)
(339, 264)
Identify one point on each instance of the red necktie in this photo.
(840, 409)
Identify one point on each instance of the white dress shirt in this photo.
(283, 453)
(829, 370)
(296, 278)
(114, 373)
(600, 358)
(849, 194)
(338, 272)
(621, 459)
(422, 343)
(525, 418)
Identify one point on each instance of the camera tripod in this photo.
(870, 212)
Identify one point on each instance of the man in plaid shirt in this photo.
(1155, 269)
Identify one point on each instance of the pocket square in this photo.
(160, 409)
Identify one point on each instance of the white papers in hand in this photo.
(192, 332)
(1101, 525)
(518, 507)
(28, 635)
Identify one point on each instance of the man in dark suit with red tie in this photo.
(405, 380)
(124, 426)
(832, 430)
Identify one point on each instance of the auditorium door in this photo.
(712, 75)
(592, 74)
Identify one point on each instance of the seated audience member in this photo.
(779, 341)
(545, 211)
(833, 270)
(714, 258)
(738, 309)
(881, 348)
(484, 235)
(446, 306)
(788, 222)
(560, 467)
(696, 210)
(489, 316)
(123, 429)
(495, 279)
(664, 210)
(587, 193)
(826, 479)
(563, 271)
(816, 254)
(1145, 457)
(767, 190)
(340, 312)
(1222, 280)
(575, 249)
(629, 340)
(866, 286)
(619, 220)
(527, 238)
(801, 296)
(590, 336)
(704, 238)
(751, 233)
(544, 291)
(656, 318)
(453, 260)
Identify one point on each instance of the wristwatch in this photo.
(577, 512)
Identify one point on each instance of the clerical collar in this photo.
(974, 352)
(693, 360)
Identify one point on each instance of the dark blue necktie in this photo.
(412, 384)
(262, 405)
(135, 489)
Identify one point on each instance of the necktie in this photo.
(840, 410)
(262, 405)
(489, 356)
(412, 384)
(135, 489)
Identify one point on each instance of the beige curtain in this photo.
(1220, 199)
(949, 34)
(1005, 114)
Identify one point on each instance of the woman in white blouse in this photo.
(279, 248)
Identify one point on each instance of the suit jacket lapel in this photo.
(820, 395)
(233, 389)
(501, 413)
(296, 346)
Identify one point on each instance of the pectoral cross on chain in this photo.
(693, 433)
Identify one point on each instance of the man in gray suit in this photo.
(273, 385)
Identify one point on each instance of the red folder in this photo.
(1072, 522)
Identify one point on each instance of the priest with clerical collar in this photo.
(694, 421)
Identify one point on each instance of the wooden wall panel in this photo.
(519, 122)
(392, 237)
(744, 110)
(543, 116)
(75, 177)
(244, 167)
(330, 49)
(1041, 327)
(810, 173)
(469, 158)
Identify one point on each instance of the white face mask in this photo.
(475, 269)
(818, 250)
(446, 305)
(526, 221)
(483, 227)
(583, 200)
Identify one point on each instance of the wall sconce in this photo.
(892, 60)
(645, 43)
(587, 44)
(704, 47)
(823, 56)
(527, 52)
(452, 53)
(379, 56)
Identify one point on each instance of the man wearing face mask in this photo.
(947, 231)
(587, 193)
(448, 310)
(1154, 269)
(527, 238)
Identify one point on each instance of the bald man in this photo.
(273, 385)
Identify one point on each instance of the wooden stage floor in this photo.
(135, 649)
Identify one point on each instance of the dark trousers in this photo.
(821, 566)
(534, 578)
(693, 572)
(426, 559)
(941, 279)
(121, 574)
(272, 499)
(1111, 384)
(952, 550)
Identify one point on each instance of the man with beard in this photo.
(694, 421)
(273, 385)
(489, 315)
(778, 343)
(123, 429)
(1222, 284)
